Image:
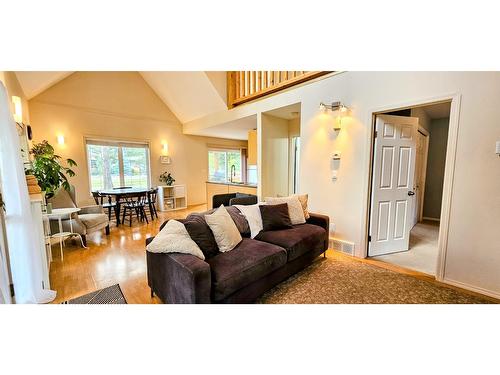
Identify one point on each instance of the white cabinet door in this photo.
(393, 184)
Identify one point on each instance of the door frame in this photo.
(455, 100)
(427, 134)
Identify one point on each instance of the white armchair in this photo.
(89, 219)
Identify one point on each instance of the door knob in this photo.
(410, 193)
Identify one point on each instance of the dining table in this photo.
(119, 193)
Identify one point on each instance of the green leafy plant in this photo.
(48, 170)
(167, 178)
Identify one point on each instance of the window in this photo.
(220, 163)
(114, 164)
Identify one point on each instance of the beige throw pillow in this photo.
(225, 232)
(174, 238)
(61, 199)
(303, 201)
(295, 210)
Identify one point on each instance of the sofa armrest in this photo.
(321, 220)
(324, 222)
(179, 278)
(91, 210)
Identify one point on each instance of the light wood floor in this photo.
(119, 258)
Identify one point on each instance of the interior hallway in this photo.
(423, 252)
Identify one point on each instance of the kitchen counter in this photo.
(233, 184)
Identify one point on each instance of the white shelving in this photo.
(171, 198)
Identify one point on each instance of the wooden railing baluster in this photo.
(244, 86)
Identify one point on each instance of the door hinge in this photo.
(376, 134)
(369, 238)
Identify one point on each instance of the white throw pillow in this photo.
(253, 216)
(303, 198)
(174, 238)
(294, 208)
(225, 232)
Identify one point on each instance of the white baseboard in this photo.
(476, 289)
(429, 218)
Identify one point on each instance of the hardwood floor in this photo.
(119, 258)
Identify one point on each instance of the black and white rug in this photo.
(107, 296)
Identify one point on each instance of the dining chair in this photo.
(99, 200)
(134, 204)
(151, 203)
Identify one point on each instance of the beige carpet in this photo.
(342, 280)
(423, 252)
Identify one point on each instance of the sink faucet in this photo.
(233, 172)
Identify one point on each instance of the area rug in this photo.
(107, 296)
(346, 281)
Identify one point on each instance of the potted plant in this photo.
(48, 170)
(167, 178)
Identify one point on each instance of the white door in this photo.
(393, 193)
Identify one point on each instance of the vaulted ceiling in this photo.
(33, 83)
(189, 95)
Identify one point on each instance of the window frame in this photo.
(226, 150)
(120, 143)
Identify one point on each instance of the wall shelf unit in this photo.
(171, 198)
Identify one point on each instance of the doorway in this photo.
(408, 169)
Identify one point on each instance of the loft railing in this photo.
(243, 86)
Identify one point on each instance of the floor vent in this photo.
(342, 246)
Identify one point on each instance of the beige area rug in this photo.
(342, 280)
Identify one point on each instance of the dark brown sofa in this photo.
(242, 274)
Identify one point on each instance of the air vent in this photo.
(342, 246)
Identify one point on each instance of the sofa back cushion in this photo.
(174, 238)
(224, 229)
(238, 218)
(275, 217)
(295, 210)
(201, 234)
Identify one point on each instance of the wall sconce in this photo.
(18, 109)
(165, 148)
(338, 107)
(165, 158)
(60, 139)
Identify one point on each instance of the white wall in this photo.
(473, 256)
(436, 162)
(273, 136)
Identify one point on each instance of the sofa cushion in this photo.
(225, 232)
(275, 217)
(246, 263)
(94, 220)
(295, 210)
(238, 218)
(297, 241)
(174, 238)
(200, 233)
